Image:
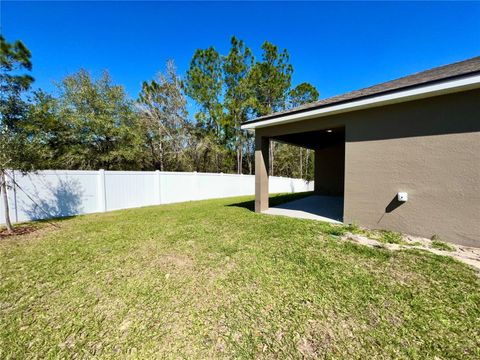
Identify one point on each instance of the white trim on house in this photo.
(421, 92)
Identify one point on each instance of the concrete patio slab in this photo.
(316, 207)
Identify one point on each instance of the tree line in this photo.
(89, 123)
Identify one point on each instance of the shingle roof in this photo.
(458, 69)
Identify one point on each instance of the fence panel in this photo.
(128, 189)
(224, 185)
(178, 187)
(49, 194)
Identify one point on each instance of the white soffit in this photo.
(421, 92)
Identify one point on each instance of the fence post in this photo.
(157, 190)
(101, 191)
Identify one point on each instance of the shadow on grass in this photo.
(274, 200)
(54, 220)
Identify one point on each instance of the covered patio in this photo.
(327, 203)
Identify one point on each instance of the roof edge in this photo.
(420, 91)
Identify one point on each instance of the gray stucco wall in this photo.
(429, 148)
(329, 170)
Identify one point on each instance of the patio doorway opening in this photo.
(327, 203)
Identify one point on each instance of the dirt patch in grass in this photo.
(318, 340)
(17, 231)
(335, 334)
(178, 262)
(465, 254)
(29, 231)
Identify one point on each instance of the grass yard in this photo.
(212, 279)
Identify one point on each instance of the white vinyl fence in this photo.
(58, 193)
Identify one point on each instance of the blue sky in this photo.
(335, 46)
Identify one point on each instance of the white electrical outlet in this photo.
(402, 196)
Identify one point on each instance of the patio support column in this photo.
(262, 146)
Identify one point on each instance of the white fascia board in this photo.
(441, 88)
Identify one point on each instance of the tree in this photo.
(238, 99)
(164, 111)
(204, 85)
(272, 79)
(230, 90)
(302, 94)
(48, 129)
(14, 144)
(102, 127)
(90, 123)
(298, 161)
(206, 153)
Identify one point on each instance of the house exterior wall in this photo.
(429, 148)
(330, 170)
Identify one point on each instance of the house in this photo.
(404, 155)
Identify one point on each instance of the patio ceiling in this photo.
(318, 139)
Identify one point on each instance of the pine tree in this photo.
(271, 78)
(204, 84)
(238, 99)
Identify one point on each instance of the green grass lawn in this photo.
(212, 279)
